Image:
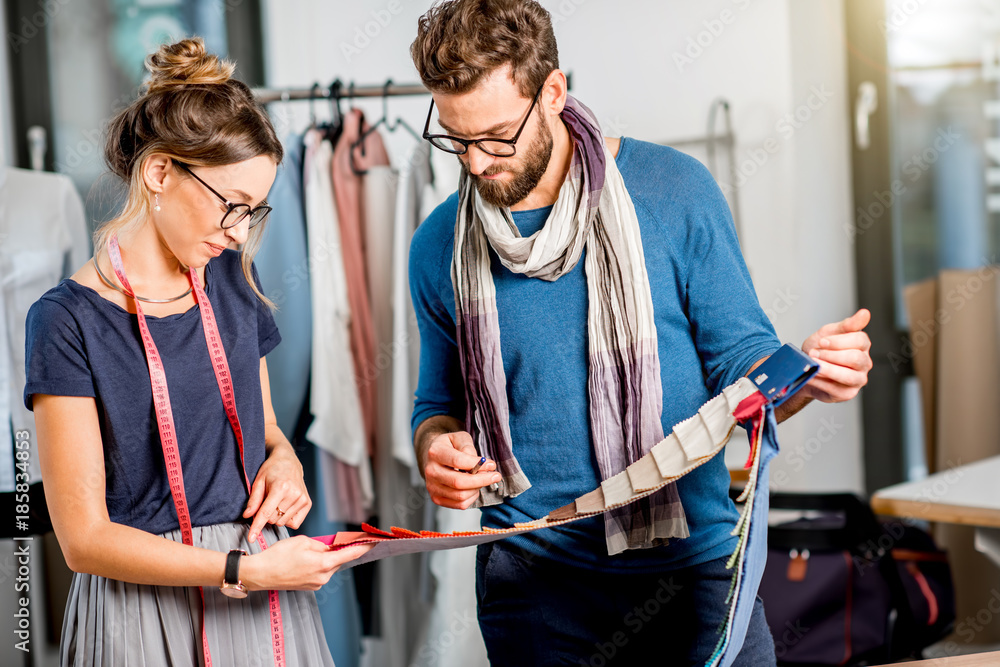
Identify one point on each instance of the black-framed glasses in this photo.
(235, 213)
(494, 147)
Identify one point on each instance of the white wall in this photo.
(764, 56)
(821, 271)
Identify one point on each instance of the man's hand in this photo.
(842, 350)
(448, 454)
(443, 452)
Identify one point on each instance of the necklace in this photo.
(97, 265)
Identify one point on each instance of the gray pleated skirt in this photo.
(115, 624)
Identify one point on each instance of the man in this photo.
(577, 297)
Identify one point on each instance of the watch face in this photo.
(237, 591)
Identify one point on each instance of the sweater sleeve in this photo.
(440, 388)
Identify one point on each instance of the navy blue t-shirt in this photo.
(80, 344)
(710, 330)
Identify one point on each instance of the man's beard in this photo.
(536, 161)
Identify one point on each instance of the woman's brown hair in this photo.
(194, 112)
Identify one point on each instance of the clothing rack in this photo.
(338, 90)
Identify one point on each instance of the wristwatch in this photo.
(231, 584)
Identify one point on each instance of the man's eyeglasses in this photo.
(235, 213)
(494, 147)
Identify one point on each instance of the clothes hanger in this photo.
(400, 122)
(383, 121)
(313, 95)
(360, 142)
(336, 125)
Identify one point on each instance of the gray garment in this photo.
(116, 624)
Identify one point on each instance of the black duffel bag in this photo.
(842, 588)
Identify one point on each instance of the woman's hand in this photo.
(299, 563)
(278, 495)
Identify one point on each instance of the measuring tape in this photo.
(168, 435)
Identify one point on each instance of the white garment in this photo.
(43, 239)
(401, 607)
(337, 426)
(452, 637)
(414, 190)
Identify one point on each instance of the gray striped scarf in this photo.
(593, 211)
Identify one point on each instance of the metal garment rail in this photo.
(346, 91)
(339, 90)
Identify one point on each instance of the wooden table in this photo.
(967, 494)
(974, 660)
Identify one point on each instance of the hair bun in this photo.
(186, 63)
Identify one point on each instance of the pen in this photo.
(475, 468)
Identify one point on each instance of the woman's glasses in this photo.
(235, 213)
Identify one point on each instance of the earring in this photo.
(156, 207)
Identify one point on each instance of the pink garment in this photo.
(348, 190)
(344, 491)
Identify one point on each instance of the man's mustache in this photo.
(489, 171)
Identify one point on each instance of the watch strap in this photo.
(232, 576)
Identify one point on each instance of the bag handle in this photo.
(860, 524)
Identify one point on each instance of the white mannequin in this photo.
(43, 238)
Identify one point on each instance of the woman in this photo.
(147, 376)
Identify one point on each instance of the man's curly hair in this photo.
(461, 41)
